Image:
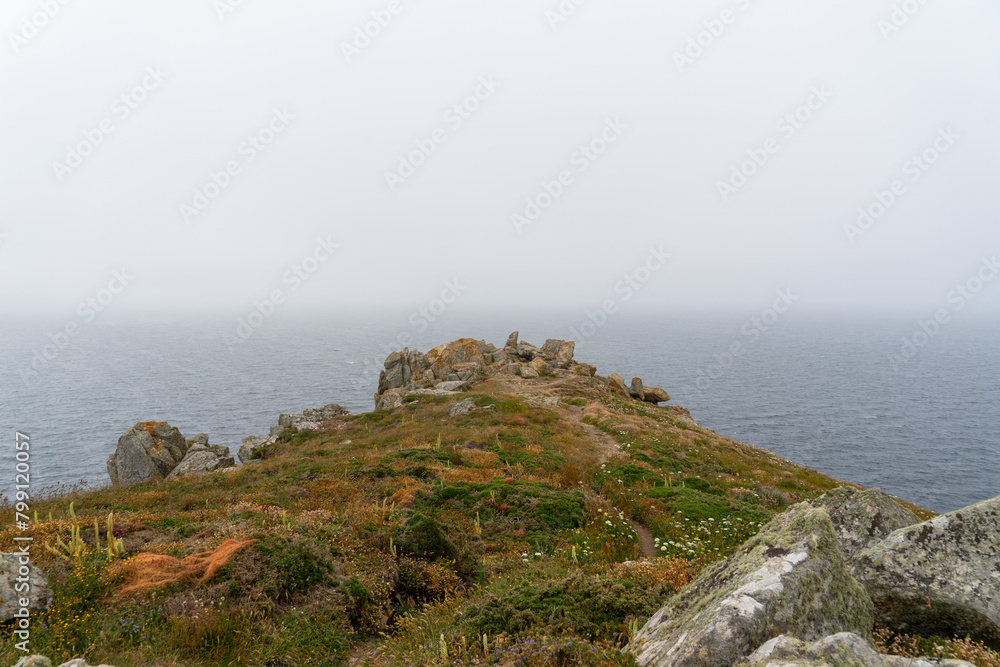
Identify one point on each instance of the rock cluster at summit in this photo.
(821, 574)
(454, 366)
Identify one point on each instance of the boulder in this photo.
(655, 395)
(559, 353)
(461, 408)
(148, 450)
(539, 365)
(325, 413)
(42, 661)
(39, 595)
(402, 368)
(511, 344)
(586, 369)
(527, 351)
(616, 383)
(844, 649)
(635, 390)
(862, 519)
(203, 459)
(200, 439)
(791, 578)
(443, 358)
(528, 372)
(251, 444)
(940, 577)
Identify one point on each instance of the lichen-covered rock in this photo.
(940, 577)
(862, 519)
(791, 578)
(148, 450)
(38, 595)
(325, 413)
(844, 649)
(251, 444)
(443, 358)
(461, 408)
(42, 661)
(655, 395)
(616, 383)
(559, 353)
(635, 390)
(203, 459)
(402, 368)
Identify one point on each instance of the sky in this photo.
(226, 156)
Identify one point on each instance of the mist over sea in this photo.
(821, 393)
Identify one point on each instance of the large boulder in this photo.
(791, 578)
(251, 444)
(148, 450)
(655, 395)
(38, 595)
(402, 369)
(443, 358)
(862, 519)
(559, 353)
(940, 577)
(203, 459)
(844, 649)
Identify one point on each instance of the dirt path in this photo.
(646, 544)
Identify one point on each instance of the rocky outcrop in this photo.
(456, 365)
(940, 577)
(862, 519)
(791, 578)
(39, 595)
(844, 649)
(157, 450)
(147, 451)
(310, 419)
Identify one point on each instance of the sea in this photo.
(869, 401)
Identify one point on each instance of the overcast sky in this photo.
(820, 108)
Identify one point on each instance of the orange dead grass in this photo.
(146, 571)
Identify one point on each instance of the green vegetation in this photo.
(406, 537)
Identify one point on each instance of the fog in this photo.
(210, 157)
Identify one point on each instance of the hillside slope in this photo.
(522, 520)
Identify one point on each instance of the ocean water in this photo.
(822, 393)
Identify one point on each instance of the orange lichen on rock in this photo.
(145, 571)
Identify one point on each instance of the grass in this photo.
(408, 537)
